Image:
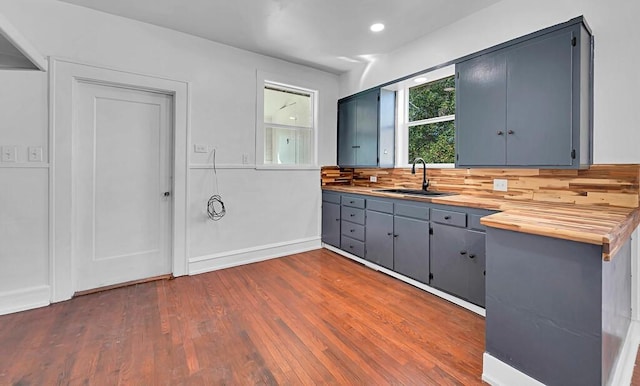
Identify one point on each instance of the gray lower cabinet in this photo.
(379, 239)
(411, 248)
(395, 234)
(331, 219)
(458, 262)
(352, 226)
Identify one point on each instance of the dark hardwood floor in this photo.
(310, 318)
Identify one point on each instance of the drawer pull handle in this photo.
(351, 215)
(389, 234)
(500, 132)
(463, 252)
(352, 230)
(510, 132)
(447, 217)
(395, 235)
(337, 219)
(350, 202)
(350, 246)
(471, 255)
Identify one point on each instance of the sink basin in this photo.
(417, 192)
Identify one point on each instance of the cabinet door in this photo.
(539, 95)
(475, 247)
(379, 239)
(347, 133)
(449, 265)
(481, 110)
(367, 129)
(331, 224)
(411, 248)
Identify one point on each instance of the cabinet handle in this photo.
(350, 202)
(395, 235)
(463, 252)
(337, 219)
(389, 234)
(355, 147)
(447, 217)
(510, 132)
(500, 132)
(351, 215)
(471, 255)
(352, 230)
(350, 246)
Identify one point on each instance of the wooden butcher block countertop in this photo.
(608, 226)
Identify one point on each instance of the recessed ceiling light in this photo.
(377, 27)
(420, 79)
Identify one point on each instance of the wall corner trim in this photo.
(24, 299)
(497, 373)
(623, 370)
(214, 262)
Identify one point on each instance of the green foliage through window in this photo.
(433, 141)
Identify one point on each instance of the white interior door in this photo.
(121, 171)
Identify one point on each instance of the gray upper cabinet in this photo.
(366, 127)
(528, 102)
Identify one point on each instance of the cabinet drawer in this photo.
(449, 217)
(355, 231)
(353, 214)
(414, 211)
(380, 206)
(474, 222)
(331, 197)
(352, 246)
(353, 201)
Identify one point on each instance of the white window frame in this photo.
(402, 134)
(264, 79)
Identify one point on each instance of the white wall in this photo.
(263, 207)
(617, 79)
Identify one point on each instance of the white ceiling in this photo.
(332, 35)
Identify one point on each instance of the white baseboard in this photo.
(462, 303)
(497, 373)
(238, 257)
(623, 370)
(24, 299)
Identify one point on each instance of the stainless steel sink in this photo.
(417, 192)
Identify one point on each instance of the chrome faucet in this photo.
(425, 182)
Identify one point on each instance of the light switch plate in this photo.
(373, 178)
(500, 185)
(9, 154)
(35, 154)
(198, 148)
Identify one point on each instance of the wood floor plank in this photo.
(309, 318)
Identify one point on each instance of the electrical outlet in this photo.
(245, 158)
(500, 185)
(9, 154)
(35, 154)
(201, 148)
(373, 178)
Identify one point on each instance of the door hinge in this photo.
(573, 154)
(430, 231)
(574, 41)
(430, 276)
